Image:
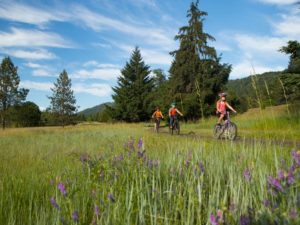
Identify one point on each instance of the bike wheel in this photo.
(217, 131)
(177, 129)
(232, 131)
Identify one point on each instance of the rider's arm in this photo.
(162, 116)
(229, 106)
(179, 112)
(153, 114)
(169, 112)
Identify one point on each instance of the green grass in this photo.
(165, 186)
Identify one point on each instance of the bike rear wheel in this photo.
(218, 131)
(231, 131)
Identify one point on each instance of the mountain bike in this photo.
(227, 130)
(175, 127)
(156, 124)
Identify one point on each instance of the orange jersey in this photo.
(157, 114)
(221, 106)
(173, 112)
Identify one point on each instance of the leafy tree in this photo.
(131, 96)
(63, 100)
(292, 49)
(10, 93)
(291, 84)
(196, 74)
(26, 114)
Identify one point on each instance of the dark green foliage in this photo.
(10, 94)
(196, 74)
(292, 49)
(63, 100)
(131, 96)
(291, 83)
(26, 114)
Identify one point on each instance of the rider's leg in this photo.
(220, 118)
(171, 121)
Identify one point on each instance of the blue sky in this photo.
(93, 39)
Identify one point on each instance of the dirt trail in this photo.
(239, 139)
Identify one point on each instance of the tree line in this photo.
(195, 78)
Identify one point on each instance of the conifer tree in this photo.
(196, 74)
(10, 94)
(63, 100)
(131, 96)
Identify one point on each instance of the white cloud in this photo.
(40, 86)
(100, 90)
(279, 2)
(246, 68)
(42, 73)
(41, 54)
(32, 38)
(33, 65)
(156, 57)
(94, 63)
(98, 73)
(289, 26)
(16, 11)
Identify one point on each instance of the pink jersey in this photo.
(222, 106)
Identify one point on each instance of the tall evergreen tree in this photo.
(131, 96)
(63, 100)
(196, 74)
(10, 94)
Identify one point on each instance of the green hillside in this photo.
(94, 110)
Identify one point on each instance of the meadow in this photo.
(127, 174)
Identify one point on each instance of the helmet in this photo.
(223, 94)
(173, 104)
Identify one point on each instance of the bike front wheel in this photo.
(217, 131)
(231, 131)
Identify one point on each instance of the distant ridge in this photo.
(94, 110)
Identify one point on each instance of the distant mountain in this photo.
(94, 110)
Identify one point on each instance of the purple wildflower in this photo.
(140, 144)
(54, 203)
(97, 210)
(296, 157)
(140, 154)
(266, 202)
(119, 158)
(275, 183)
(247, 175)
(281, 175)
(110, 196)
(75, 216)
(244, 220)
(293, 213)
(202, 168)
(213, 220)
(220, 216)
(62, 189)
(290, 178)
(187, 163)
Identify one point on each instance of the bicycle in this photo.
(228, 129)
(175, 127)
(156, 124)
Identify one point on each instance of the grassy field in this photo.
(127, 174)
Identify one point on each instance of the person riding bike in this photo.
(173, 111)
(157, 116)
(222, 106)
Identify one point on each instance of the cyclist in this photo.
(157, 115)
(173, 111)
(222, 106)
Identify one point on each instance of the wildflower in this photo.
(290, 178)
(111, 197)
(62, 189)
(75, 216)
(296, 157)
(244, 220)
(140, 144)
(97, 210)
(266, 202)
(84, 158)
(275, 183)
(220, 216)
(213, 220)
(247, 175)
(140, 154)
(281, 175)
(187, 163)
(293, 213)
(119, 158)
(201, 167)
(54, 203)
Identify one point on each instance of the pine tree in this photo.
(63, 100)
(196, 74)
(10, 94)
(292, 49)
(131, 96)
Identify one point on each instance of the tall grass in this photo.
(112, 176)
